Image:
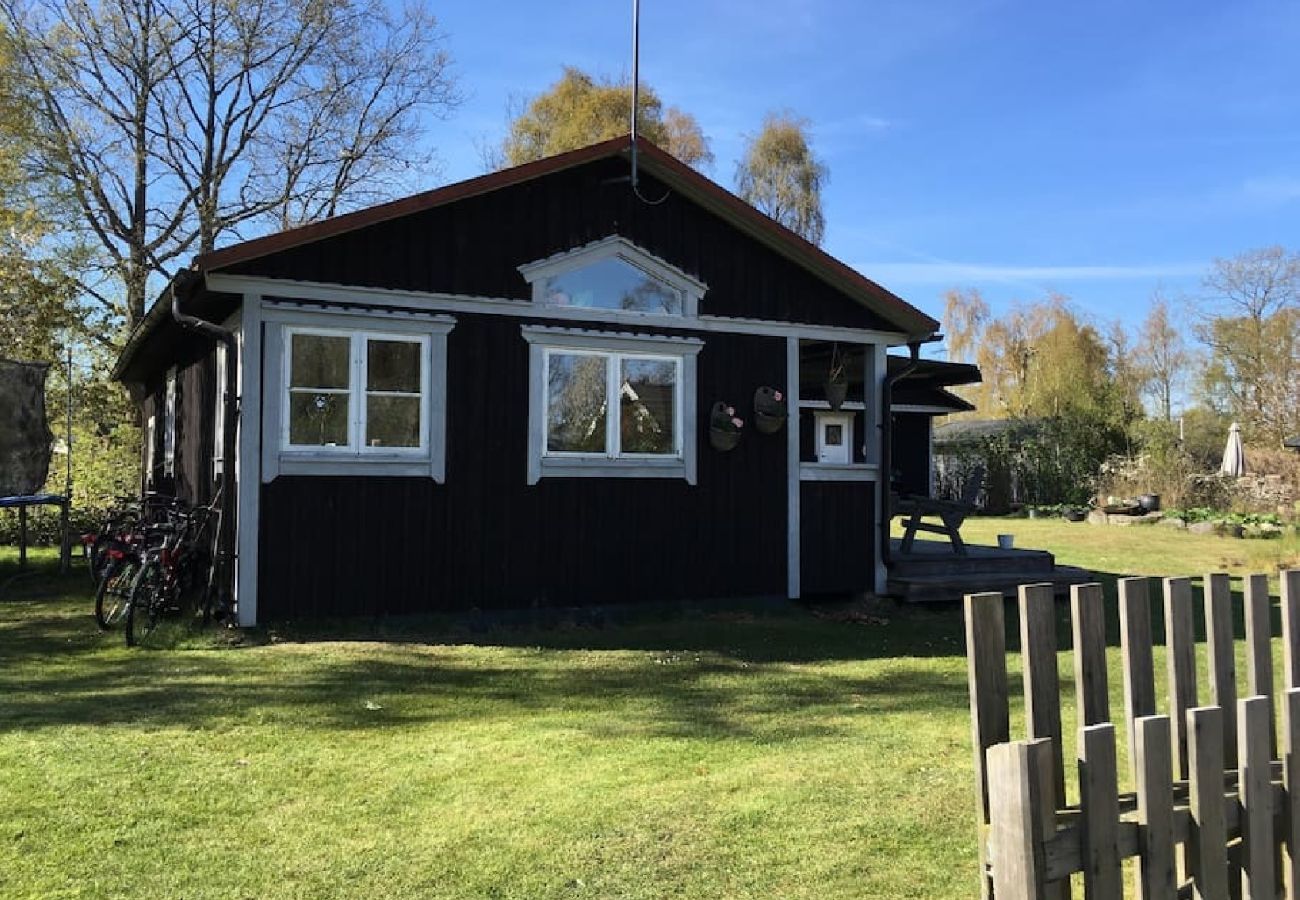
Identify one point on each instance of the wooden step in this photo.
(938, 588)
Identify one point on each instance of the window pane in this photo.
(575, 417)
(318, 420)
(392, 421)
(393, 366)
(647, 396)
(613, 284)
(320, 361)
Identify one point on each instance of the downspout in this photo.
(230, 397)
(887, 448)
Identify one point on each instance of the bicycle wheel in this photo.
(113, 592)
(142, 607)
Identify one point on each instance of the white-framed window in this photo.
(219, 413)
(611, 405)
(150, 446)
(169, 423)
(354, 394)
(613, 278)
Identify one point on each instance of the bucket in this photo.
(1006, 541)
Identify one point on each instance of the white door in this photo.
(835, 438)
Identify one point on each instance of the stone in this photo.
(1097, 517)
(1172, 522)
(1202, 528)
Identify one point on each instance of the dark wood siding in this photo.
(910, 452)
(474, 246)
(486, 539)
(192, 479)
(837, 553)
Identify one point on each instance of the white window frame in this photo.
(692, 290)
(221, 358)
(543, 462)
(613, 389)
(169, 423)
(357, 392)
(280, 457)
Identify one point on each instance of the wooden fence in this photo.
(1215, 813)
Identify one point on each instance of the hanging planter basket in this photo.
(836, 391)
(769, 410)
(724, 427)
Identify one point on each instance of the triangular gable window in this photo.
(615, 276)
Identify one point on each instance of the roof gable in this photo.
(652, 161)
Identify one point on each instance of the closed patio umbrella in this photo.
(1234, 458)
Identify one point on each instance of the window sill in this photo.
(560, 467)
(367, 465)
(812, 471)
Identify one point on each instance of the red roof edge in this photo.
(393, 209)
(812, 254)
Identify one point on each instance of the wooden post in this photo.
(22, 537)
(1154, 779)
(1019, 777)
(1222, 653)
(1041, 677)
(1255, 784)
(1099, 801)
(1207, 853)
(1291, 794)
(1139, 669)
(1088, 613)
(1291, 627)
(1180, 650)
(1259, 648)
(986, 661)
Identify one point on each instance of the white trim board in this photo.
(248, 459)
(286, 291)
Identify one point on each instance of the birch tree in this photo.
(781, 176)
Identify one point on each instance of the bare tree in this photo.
(780, 175)
(1162, 356)
(174, 123)
(1251, 327)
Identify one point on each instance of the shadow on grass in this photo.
(732, 675)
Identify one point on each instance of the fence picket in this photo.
(1088, 615)
(1207, 860)
(1255, 785)
(1139, 668)
(1029, 835)
(1180, 650)
(1041, 676)
(1259, 648)
(1019, 777)
(1154, 780)
(1291, 627)
(1099, 800)
(1291, 793)
(1222, 654)
(986, 655)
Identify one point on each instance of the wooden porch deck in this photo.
(931, 572)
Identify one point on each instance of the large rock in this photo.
(24, 434)
(1202, 528)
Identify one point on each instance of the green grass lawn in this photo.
(763, 754)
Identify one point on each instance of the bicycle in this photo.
(167, 573)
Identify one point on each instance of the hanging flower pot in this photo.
(837, 385)
(769, 410)
(724, 427)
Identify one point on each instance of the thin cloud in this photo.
(1276, 189)
(957, 273)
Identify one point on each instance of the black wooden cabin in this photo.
(498, 395)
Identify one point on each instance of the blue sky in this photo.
(1101, 150)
